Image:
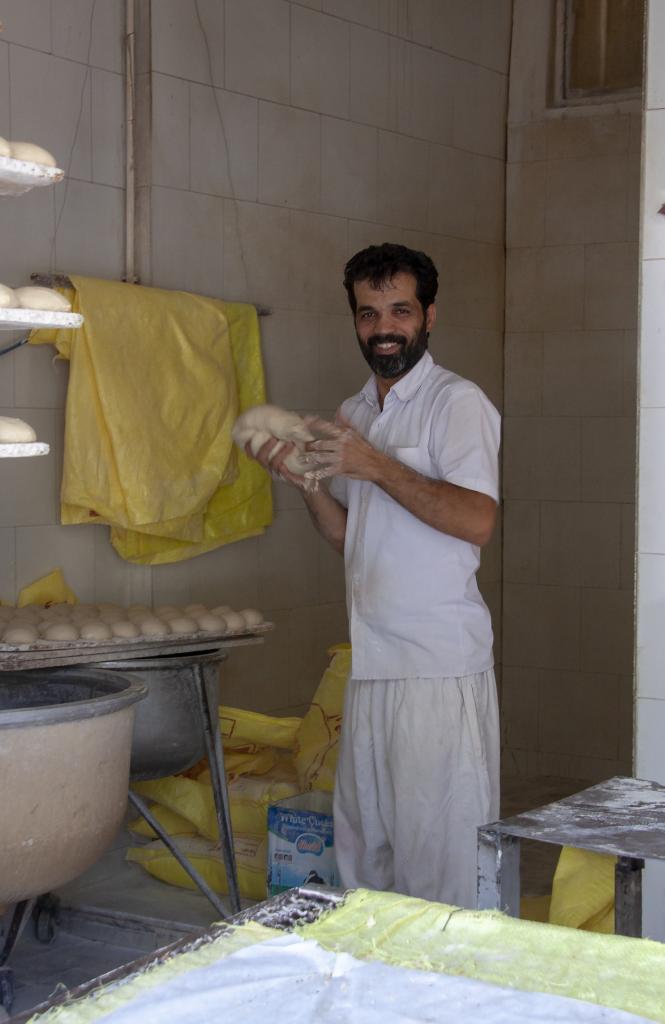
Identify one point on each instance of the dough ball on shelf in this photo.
(61, 631)
(14, 431)
(125, 629)
(8, 298)
(154, 627)
(29, 151)
(34, 297)
(19, 634)
(165, 610)
(221, 609)
(251, 616)
(195, 609)
(234, 622)
(210, 623)
(95, 631)
(5, 147)
(183, 625)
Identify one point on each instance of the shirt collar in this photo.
(405, 388)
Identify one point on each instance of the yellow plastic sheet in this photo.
(583, 891)
(317, 740)
(49, 589)
(156, 380)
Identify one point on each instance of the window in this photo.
(598, 50)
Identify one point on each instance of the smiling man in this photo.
(413, 462)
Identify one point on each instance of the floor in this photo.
(116, 912)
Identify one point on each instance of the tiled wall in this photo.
(650, 681)
(344, 124)
(569, 433)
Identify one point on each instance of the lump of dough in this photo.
(234, 622)
(251, 616)
(13, 431)
(154, 627)
(29, 151)
(166, 609)
(125, 629)
(20, 635)
(95, 631)
(5, 147)
(195, 609)
(211, 623)
(61, 631)
(33, 297)
(258, 424)
(221, 609)
(8, 298)
(183, 625)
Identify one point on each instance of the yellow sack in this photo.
(156, 380)
(583, 891)
(49, 589)
(242, 728)
(317, 741)
(171, 822)
(250, 851)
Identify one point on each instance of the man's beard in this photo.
(399, 363)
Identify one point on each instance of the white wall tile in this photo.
(607, 631)
(227, 575)
(650, 728)
(474, 354)
(77, 33)
(579, 714)
(525, 204)
(349, 169)
(366, 13)
(288, 562)
(40, 549)
(542, 458)
(580, 544)
(479, 109)
(224, 143)
(342, 369)
(650, 637)
(523, 354)
(477, 31)
(472, 290)
(651, 484)
(655, 79)
(528, 70)
(608, 459)
(87, 214)
(187, 241)
(417, 75)
(30, 222)
(170, 131)
(526, 142)
(28, 22)
(289, 157)
(652, 334)
(587, 200)
(653, 222)
(40, 379)
(256, 245)
(7, 565)
(583, 373)
(541, 627)
(319, 62)
(545, 289)
(4, 91)
(653, 889)
(7, 367)
(372, 88)
(179, 41)
(317, 253)
(591, 136)
(403, 159)
(521, 541)
(291, 359)
(610, 286)
(257, 48)
(60, 121)
(108, 128)
(30, 486)
(114, 579)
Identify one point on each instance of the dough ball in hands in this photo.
(95, 631)
(61, 631)
(15, 431)
(32, 153)
(19, 634)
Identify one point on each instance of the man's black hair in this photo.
(378, 264)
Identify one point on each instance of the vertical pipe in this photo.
(130, 187)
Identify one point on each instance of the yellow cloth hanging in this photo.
(157, 379)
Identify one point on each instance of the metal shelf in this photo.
(23, 450)
(19, 176)
(36, 319)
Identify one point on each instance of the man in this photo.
(414, 465)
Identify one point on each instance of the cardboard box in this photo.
(301, 842)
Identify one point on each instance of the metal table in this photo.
(624, 817)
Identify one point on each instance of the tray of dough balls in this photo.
(35, 307)
(67, 634)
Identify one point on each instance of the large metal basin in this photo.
(169, 732)
(65, 741)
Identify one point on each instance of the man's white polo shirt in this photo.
(413, 602)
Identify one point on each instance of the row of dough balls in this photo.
(33, 297)
(106, 621)
(26, 151)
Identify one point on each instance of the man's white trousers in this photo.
(418, 771)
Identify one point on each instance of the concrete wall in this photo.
(569, 430)
(341, 124)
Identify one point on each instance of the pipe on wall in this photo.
(130, 106)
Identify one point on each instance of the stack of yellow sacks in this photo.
(267, 759)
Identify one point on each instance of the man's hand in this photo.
(271, 456)
(343, 452)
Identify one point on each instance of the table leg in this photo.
(498, 872)
(628, 896)
(208, 701)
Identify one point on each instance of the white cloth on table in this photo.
(418, 771)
